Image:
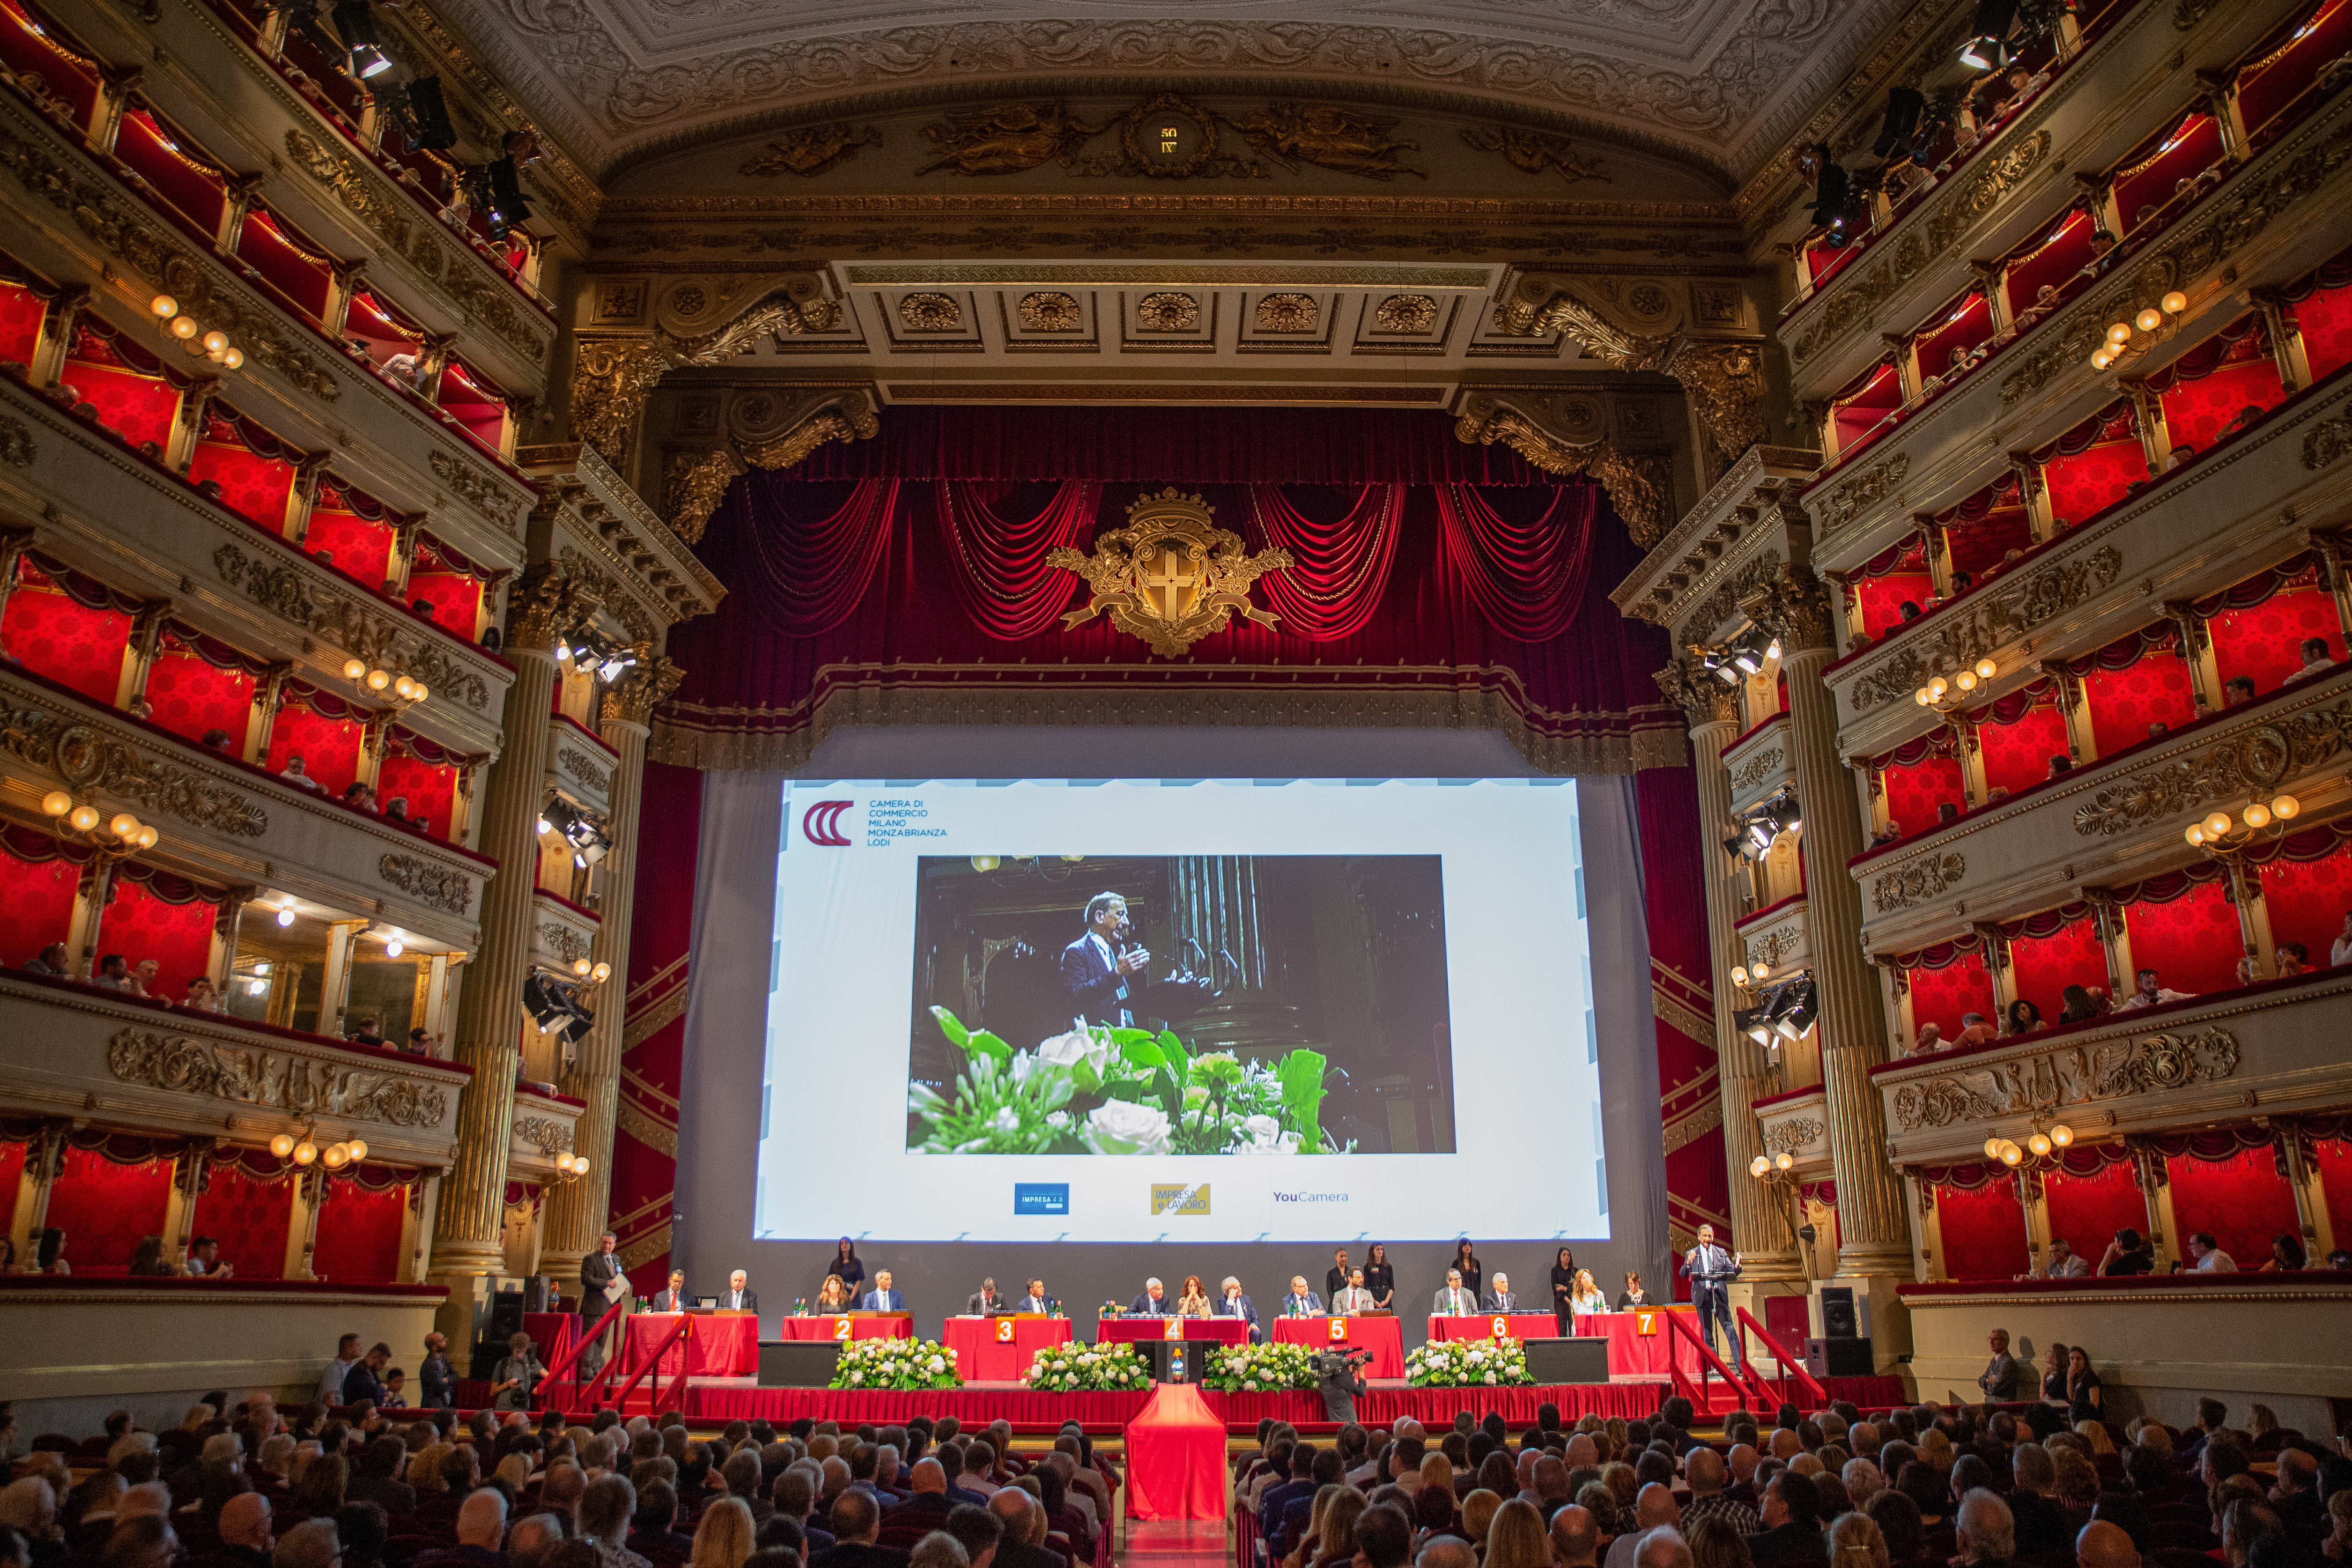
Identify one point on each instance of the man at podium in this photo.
(739, 1297)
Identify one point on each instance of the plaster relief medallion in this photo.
(929, 313)
(1648, 300)
(1168, 312)
(752, 413)
(1716, 304)
(620, 303)
(688, 299)
(1406, 313)
(1287, 313)
(1049, 311)
(698, 416)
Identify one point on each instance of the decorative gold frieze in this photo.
(284, 590)
(1718, 606)
(2327, 442)
(1532, 152)
(612, 377)
(696, 483)
(2074, 1075)
(478, 490)
(87, 758)
(427, 883)
(1405, 313)
(1168, 312)
(1758, 768)
(1849, 499)
(1725, 382)
(1916, 883)
(1788, 1137)
(563, 941)
(1049, 311)
(1287, 313)
(2260, 758)
(544, 1133)
(1960, 640)
(1172, 575)
(583, 768)
(810, 152)
(207, 1069)
(1640, 484)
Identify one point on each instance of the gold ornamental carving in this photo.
(563, 941)
(1330, 137)
(410, 234)
(1640, 484)
(1788, 1137)
(549, 599)
(696, 483)
(1170, 576)
(929, 312)
(1405, 313)
(1916, 884)
(1793, 605)
(1544, 302)
(646, 687)
(427, 883)
(16, 447)
(544, 1133)
(1849, 499)
(1703, 699)
(179, 1065)
(2244, 210)
(114, 224)
(1956, 643)
(1287, 312)
(2076, 1075)
(1168, 312)
(1725, 382)
(810, 151)
(2260, 758)
(87, 758)
(1533, 152)
(478, 490)
(1758, 768)
(284, 590)
(1721, 604)
(585, 769)
(1766, 952)
(1166, 136)
(612, 376)
(1049, 311)
(1006, 139)
(2328, 442)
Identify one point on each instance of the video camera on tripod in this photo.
(1339, 1379)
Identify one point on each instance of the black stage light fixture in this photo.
(1905, 105)
(434, 130)
(356, 27)
(1989, 48)
(1831, 186)
(507, 207)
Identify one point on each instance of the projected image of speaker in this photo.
(797, 1363)
(1568, 1361)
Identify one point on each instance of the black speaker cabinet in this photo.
(1568, 1361)
(1839, 1358)
(1839, 1319)
(506, 1317)
(797, 1363)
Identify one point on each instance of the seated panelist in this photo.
(674, 1298)
(739, 1296)
(1354, 1298)
(1153, 1303)
(1036, 1301)
(984, 1302)
(1301, 1303)
(834, 1296)
(1234, 1304)
(1501, 1299)
(1195, 1300)
(882, 1299)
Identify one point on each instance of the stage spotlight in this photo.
(1804, 1006)
(357, 28)
(434, 130)
(1989, 48)
(1831, 186)
(1905, 105)
(542, 1001)
(507, 206)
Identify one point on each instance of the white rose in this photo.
(1490, 1377)
(1125, 1127)
(1065, 1050)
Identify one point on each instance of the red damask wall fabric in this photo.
(35, 905)
(253, 487)
(358, 1238)
(12, 1168)
(2042, 968)
(2192, 942)
(2093, 480)
(2124, 702)
(191, 698)
(2241, 1201)
(431, 792)
(1914, 793)
(2325, 319)
(139, 408)
(1883, 598)
(2017, 756)
(2265, 644)
(1984, 1232)
(105, 1209)
(361, 549)
(73, 645)
(2307, 900)
(455, 598)
(2088, 1210)
(644, 1150)
(1941, 996)
(1682, 998)
(2195, 412)
(139, 925)
(20, 321)
(330, 748)
(248, 1219)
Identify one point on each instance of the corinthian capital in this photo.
(1703, 699)
(646, 687)
(550, 598)
(1793, 605)
(1725, 384)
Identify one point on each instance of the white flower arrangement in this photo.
(895, 1363)
(1259, 1369)
(1077, 1368)
(1461, 1363)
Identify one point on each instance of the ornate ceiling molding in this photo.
(1640, 484)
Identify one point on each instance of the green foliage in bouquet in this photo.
(1255, 1369)
(895, 1363)
(1466, 1364)
(1102, 1090)
(1083, 1368)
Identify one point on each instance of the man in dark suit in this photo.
(1024, 1531)
(1234, 1304)
(882, 1299)
(365, 1380)
(1153, 1303)
(739, 1296)
(1792, 1530)
(603, 1286)
(2001, 1376)
(1036, 1301)
(653, 1534)
(673, 1297)
(985, 1302)
(924, 1510)
(1711, 1271)
(856, 1518)
(1501, 1297)
(2037, 1522)
(380, 1463)
(1095, 974)
(1300, 1302)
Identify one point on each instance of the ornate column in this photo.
(576, 1209)
(468, 1229)
(1760, 1228)
(1874, 1231)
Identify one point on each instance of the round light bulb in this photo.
(1921, 697)
(1937, 686)
(1739, 974)
(182, 327)
(1992, 1148)
(305, 1152)
(148, 836)
(420, 691)
(563, 1164)
(2217, 824)
(580, 1164)
(2195, 833)
(1986, 670)
(2258, 815)
(83, 818)
(123, 825)
(286, 917)
(235, 358)
(1966, 681)
(2148, 320)
(2011, 1154)
(393, 947)
(2039, 1144)
(2101, 359)
(2061, 1135)
(164, 307)
(355, 669)
(1783, 1160)
(403, 688)
(2119, 334)
(2176, 301)
(1760, 974)
(545, 826)
(601, 974)
(282, 1145)
(215, 342)
(57, 803)
(257, 988)
(2285, 807)
(357, 1148)
(1758, 1165)
(377, 679)
(336, 1156)
(579, 966)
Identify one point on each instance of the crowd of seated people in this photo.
(2048, 1485)
(372, 1485)
(117, 973)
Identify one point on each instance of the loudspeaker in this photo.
(1839, 1320)
(1839, 1358)
(1568, 1361)
(797, 1363)
(505, 1316)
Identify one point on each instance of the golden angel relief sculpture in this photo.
(1172, 575)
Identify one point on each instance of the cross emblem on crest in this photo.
(1170, 576)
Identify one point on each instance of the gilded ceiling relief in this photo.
(1168, 136)
(810, 151)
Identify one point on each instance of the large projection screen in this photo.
(1302, 1008)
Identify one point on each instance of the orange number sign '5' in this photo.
(1338, 1330)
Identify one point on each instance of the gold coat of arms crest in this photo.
(1172, 575)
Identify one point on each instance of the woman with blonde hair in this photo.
(1325, 1495)
(1337, 1545)
(1479, 1515)
(2261, 1418)
(1716, 1542)
(1436, 1473)
(2095, 1433)
(1516, 1537)
(1854, 1541)
(724, 1537)
(424, 1470)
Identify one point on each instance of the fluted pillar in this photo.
(468, 1227)
(577, 1210)
(1759, 1228)
(1874, 1227)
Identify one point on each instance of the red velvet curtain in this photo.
(1698, 1189)
(106, 1208)
(996, 537)
(805, 567)
(1343, 562)
(357, 1240)
(1524, 572)
(248, 1215)
(644, 1148)
(2241, 1201)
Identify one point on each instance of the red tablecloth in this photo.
(715, 1345)
(1176, 1457)
(1379, 1335)
(999, 1350)
(1515, 1326)
(1634, 1353)
(862, 1326)
(1126, 1330)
